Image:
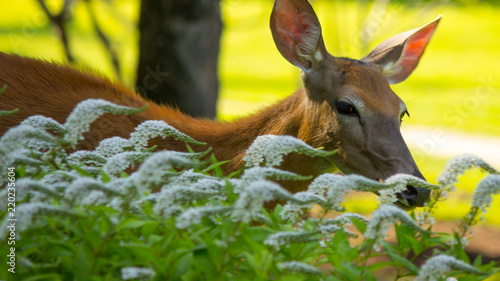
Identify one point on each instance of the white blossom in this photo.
(296, 266)
(173, 194)
(336, 187)
(303, 201)
(327, 229)
(118, 163)
(194, 215)
(345, 219)
(25, 214)
(261, 173)
(155, 128)
(44, 123)
(86, 112)
(26, 186)
(435, 268)
(383, 217)
(282, 238)
(140, 273)
(86, 157)
(112, 146)
(151, 173)
(252, 198)
(482, 196)
(270, 149)
(81, 188)
(15, 138)
(457, 166)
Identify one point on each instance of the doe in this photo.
(344, 104)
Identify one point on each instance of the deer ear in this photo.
(297, 33)
(398, 56)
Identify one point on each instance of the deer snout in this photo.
(413, 196)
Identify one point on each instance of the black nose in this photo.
(413, 197)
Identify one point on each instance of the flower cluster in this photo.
(270, 149)
(128, 177)
(435, 267)
(383, 217)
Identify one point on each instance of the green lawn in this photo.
(456, 85)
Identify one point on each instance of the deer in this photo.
(344, 104)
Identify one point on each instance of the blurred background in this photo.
(171, 46)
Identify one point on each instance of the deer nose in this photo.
(413, 197)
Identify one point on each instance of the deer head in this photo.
(350, 104)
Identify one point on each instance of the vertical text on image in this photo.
(11, 218)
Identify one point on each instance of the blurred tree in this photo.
(179, 49)
(61, 20)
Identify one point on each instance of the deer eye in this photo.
(403, 114)
(345, 108)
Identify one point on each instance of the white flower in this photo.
(118, 163)
(155, 128)
(262, 173)
(173, 194)
(383, 217)
(345, 219)
(270, 149)
(482, 197)
(328, 228)
(282, 238)
(302, 201)
(26, 186)
(296, 266)
(25, 214)
(86, 112)
(252, 198)
(95, 198)
(80, 189)
(194, 215)
(435, 267)
(151, 173)
(457, 166)
(15, 138)
(112, 146)
(337, 186)
(86, 157)
(44, 123)
(140, 273)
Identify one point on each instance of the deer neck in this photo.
(293, 116)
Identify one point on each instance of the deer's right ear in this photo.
(297, 33)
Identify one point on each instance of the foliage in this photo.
(81, 216)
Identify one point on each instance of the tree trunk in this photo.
(179, 49)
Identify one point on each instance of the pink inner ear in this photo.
(294, 27)
(296, 30)
(293, 22)
(413, 50)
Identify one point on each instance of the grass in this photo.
(454, 86)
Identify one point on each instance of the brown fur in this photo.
(368, 141)
(40, 88)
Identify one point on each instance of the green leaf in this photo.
(397, 259)
(4, 113)
(360, 226)
(48, 276)
(218, 172)
(133, 223)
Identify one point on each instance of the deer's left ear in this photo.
(398, 56)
